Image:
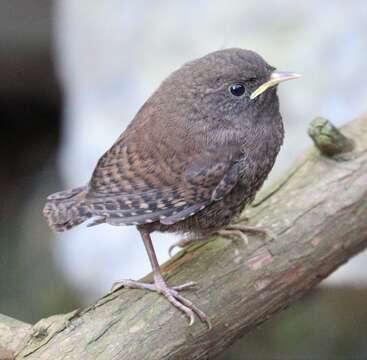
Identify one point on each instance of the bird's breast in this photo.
(258, 156)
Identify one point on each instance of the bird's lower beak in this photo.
(276, 78)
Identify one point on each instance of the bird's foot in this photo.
(239, 231)
(232, 231)
(132, 284)
(171, 294)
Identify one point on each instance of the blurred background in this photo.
(74, 73)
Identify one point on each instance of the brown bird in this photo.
(194, 155)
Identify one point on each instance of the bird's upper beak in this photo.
(276, 78)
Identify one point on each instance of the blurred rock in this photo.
(25, 51)
(31, 286)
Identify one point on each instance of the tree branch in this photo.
(12, 336)
(318, 213)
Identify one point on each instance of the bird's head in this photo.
(229, 88)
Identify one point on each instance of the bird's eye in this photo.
(237, 89)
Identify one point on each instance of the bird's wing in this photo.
(211, 181)
(132, 189)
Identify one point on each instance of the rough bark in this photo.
(317, 213)
(13, 334)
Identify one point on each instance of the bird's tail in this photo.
(66, 209)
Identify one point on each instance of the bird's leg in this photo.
(160, 285)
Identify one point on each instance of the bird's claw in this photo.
(240, 230)
(255, 230)
(186, 286)
(171, 248)
(237, 234)
(179, 244)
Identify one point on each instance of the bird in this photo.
(192, 158)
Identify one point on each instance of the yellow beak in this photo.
(276, 78)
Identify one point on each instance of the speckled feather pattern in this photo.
(190, 160)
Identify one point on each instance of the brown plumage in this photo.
(194, 155)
